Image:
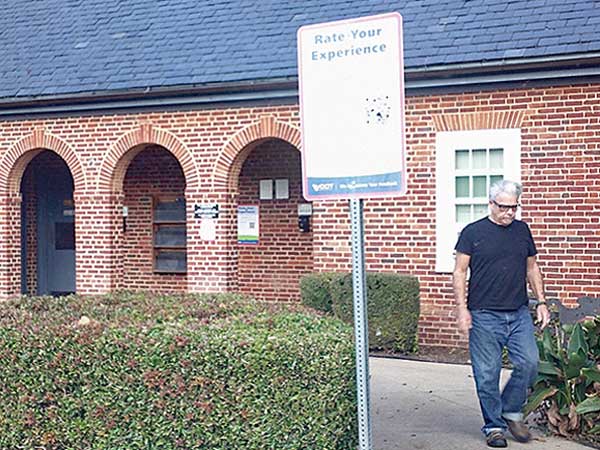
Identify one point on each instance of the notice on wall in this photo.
(282, 188)
(265, 190)
(206, 211)
(351, 77)
(208, 229)
(248, 229)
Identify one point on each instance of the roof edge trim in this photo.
(287, 88)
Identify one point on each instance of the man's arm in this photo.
(459, 282)
(534, 276)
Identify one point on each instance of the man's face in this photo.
(503, 209)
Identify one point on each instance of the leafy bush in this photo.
(393, 305)
(173, 372)
(567, 390)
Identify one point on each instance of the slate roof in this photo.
(61, 47)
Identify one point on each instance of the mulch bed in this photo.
(448, 355)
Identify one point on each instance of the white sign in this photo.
(265, 191)
(352, 108)
(282, 189)
(248, 224)
(208, 229)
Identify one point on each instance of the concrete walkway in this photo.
(420, 405)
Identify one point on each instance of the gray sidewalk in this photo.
(420, 405)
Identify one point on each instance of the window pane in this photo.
(462, 159)
(169, 261)
(463, 213)
(170, 210)
(496, 158)
(462, 186)
(479, 186)
(170, 236)
(480, 211)
(64, 235)
(479, 159)
(495, 178)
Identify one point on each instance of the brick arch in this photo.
(115, 163)
(478, 121)
(229, 163)
(15, 160)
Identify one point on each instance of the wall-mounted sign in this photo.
(265, 190)
(351, 77)
(282, 189)
(248, 229)
(208, 229)
(206, 211)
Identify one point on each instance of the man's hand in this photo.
(463, 319)
(543, 315)
(459, 283)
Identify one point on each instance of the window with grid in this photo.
(475, 171)
(170, 255)
(467, 163)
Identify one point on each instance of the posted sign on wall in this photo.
(352, 108)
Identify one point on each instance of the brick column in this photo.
(96, 232)
(10, 246)
(209, 263)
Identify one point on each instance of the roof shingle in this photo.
(58, 47)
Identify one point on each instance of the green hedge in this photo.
(315, 290)
(393, 305)
(173, 372)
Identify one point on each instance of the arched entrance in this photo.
(47, 227)
(154, 229)
(271, 179)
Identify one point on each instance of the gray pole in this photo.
(361, 335)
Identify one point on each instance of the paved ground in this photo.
(420, 405)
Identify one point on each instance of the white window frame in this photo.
(447, 142)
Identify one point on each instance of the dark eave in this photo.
(418, 80)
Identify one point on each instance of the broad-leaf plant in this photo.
(567, 389)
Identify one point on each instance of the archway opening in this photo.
(154, 235)
(47, 227)
(270, 266)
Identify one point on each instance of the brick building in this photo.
(119, 119)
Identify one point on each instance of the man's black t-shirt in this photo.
(498, 263)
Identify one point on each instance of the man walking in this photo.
(500, 253)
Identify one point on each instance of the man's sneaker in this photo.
(519, 430)
(496, 439)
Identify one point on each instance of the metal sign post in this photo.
(351, 79)
(361, 329)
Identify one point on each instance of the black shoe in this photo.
(519, 430)
(496, 439)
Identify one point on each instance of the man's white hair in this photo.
(506, 187)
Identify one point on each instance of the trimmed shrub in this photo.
(393, 306)
(173, 372)
(315, 290)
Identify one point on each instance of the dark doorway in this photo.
(48, 227)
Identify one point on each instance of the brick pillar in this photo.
(117, 256)
(209, 263)
(10, 246)
(96, 231)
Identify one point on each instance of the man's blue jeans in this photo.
(492, 331)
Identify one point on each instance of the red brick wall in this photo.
(271, 269)
(560, 164)
(153, 172)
